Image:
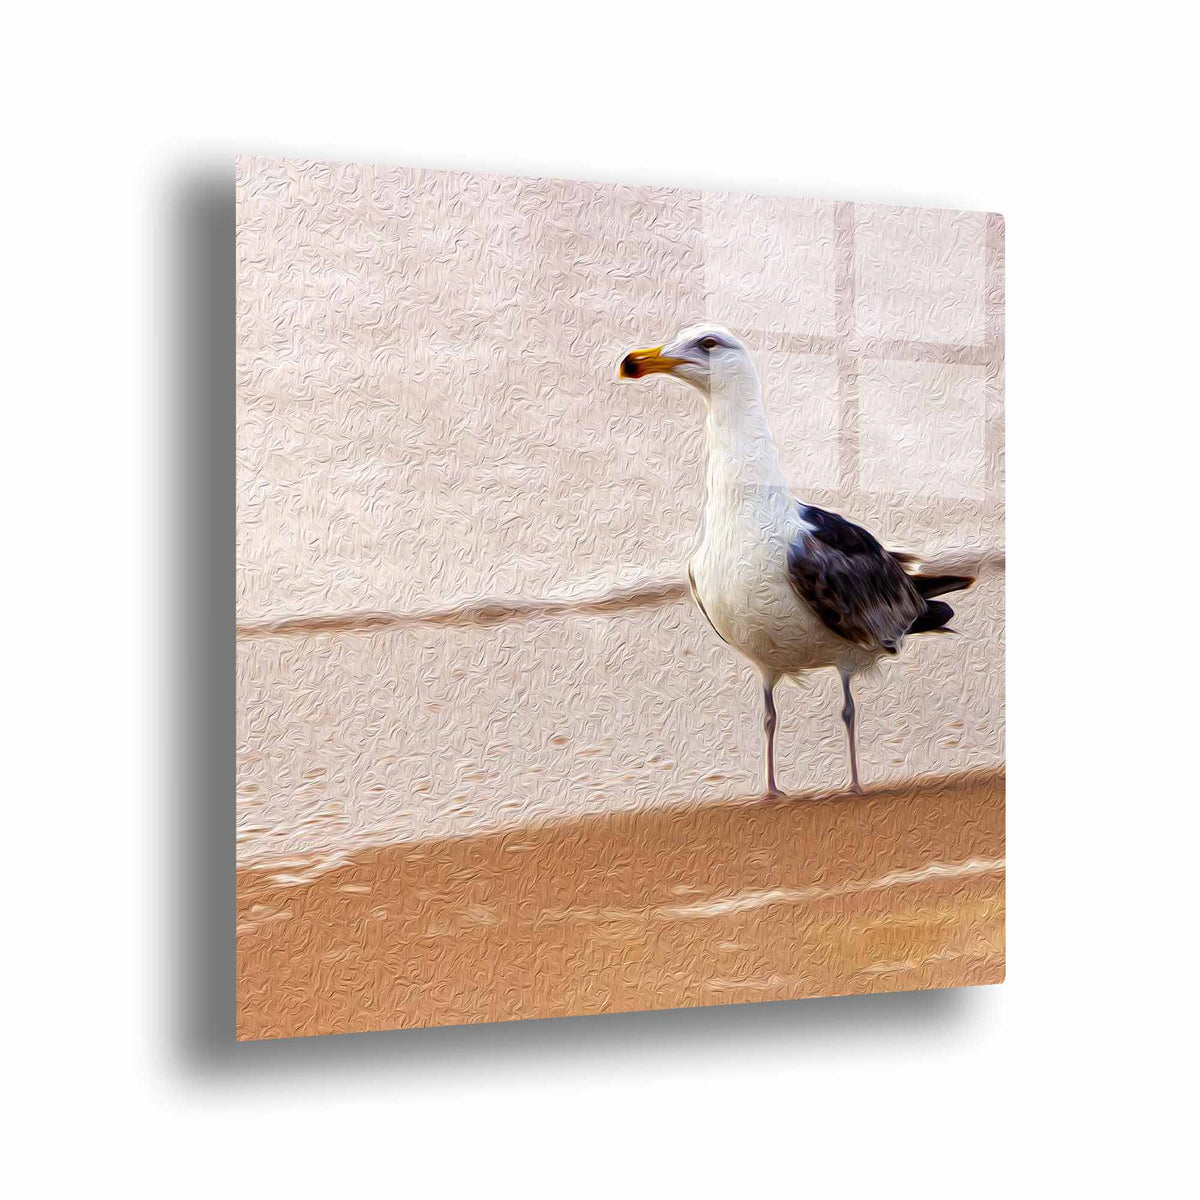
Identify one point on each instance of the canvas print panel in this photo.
(499, 440)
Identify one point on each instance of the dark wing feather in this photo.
(929, 586)
(851, 582)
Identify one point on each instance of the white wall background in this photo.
(1074, 1074)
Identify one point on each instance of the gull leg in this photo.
(770, 720)
(848, 718)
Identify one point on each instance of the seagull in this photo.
(791, 587)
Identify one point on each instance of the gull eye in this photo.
(708, 343)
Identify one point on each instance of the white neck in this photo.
(742, 458)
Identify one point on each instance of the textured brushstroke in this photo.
(462, 542)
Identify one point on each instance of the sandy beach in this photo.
(818, 895)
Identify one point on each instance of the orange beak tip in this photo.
(646, 362)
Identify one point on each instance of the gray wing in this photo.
(851, 582)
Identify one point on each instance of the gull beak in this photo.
(647, 362)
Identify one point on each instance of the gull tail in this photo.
(930, 583)
(936, 615)
(933, 619)
(929, 586)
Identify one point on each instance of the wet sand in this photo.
(724, 903)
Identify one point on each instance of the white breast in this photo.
(741, 578)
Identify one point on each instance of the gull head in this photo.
(708, 357)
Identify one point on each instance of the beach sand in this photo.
(817, 895)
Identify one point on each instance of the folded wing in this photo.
(857, 588)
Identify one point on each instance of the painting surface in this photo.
(493, 760)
